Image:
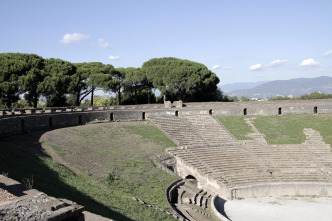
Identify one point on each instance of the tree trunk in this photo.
(149, 91)
(35, 101)
(183, 98)
(9, 103)
(135, 95)
(119, 93)
(78, 101)
(92, 92)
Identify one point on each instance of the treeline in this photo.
(61, 83)
(314, 95)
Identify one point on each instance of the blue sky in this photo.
(241, 41)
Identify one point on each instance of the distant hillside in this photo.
(293, 87)
(241, 86)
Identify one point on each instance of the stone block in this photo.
(168, 104)
(186, 201)
(178, 104)
(30, 111)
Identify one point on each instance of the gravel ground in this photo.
(280, 209)
(5, 195)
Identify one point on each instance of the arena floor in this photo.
(280, 209)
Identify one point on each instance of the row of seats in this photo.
(209, 129)
(218, 155)
(179, 130)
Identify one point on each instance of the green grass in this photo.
(284, 129)
(288, 129)
(236, 126)
(124, 168)
(152, 134)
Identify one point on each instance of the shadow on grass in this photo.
(21, 157)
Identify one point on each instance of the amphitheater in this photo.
(213, 165)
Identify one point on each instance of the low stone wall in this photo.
(169, 196)
(282, 189)
(21, 124)
(183, 170)
(265, 107)
(217, 205)
(44, 121)
(174, 215)
(21, 120)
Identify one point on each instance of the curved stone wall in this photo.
(22, 120)
(282, 189)
(217, 206)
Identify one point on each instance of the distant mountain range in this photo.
(294, 87)
(241, 86)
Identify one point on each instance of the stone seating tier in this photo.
(209, 129)
(238, 163)
(179, 130)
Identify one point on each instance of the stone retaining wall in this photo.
(217, 205)
(282, 189)
(203, 182)
(43, 121)
(22, 120)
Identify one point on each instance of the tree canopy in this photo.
(20, 73)
(181, 79)
(88, 77)
(57, 81)
(62, 83)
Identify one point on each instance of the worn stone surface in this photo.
(251, 168)
(21, 203)
(38, 207)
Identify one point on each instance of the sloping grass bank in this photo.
(281, 129)
(288, 129)
(236, 126)
(99, 166)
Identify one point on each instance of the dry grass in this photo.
(100, 166)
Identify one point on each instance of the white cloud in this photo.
(116, 57)
(328, 53)
(276, 63)
(215, 67)
(75, 37)
(256, 67)
(104, 44)
(309, 63)
(226, 68)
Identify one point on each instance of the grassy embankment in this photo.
(236, 126)
(284, 129)
(100, 166)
